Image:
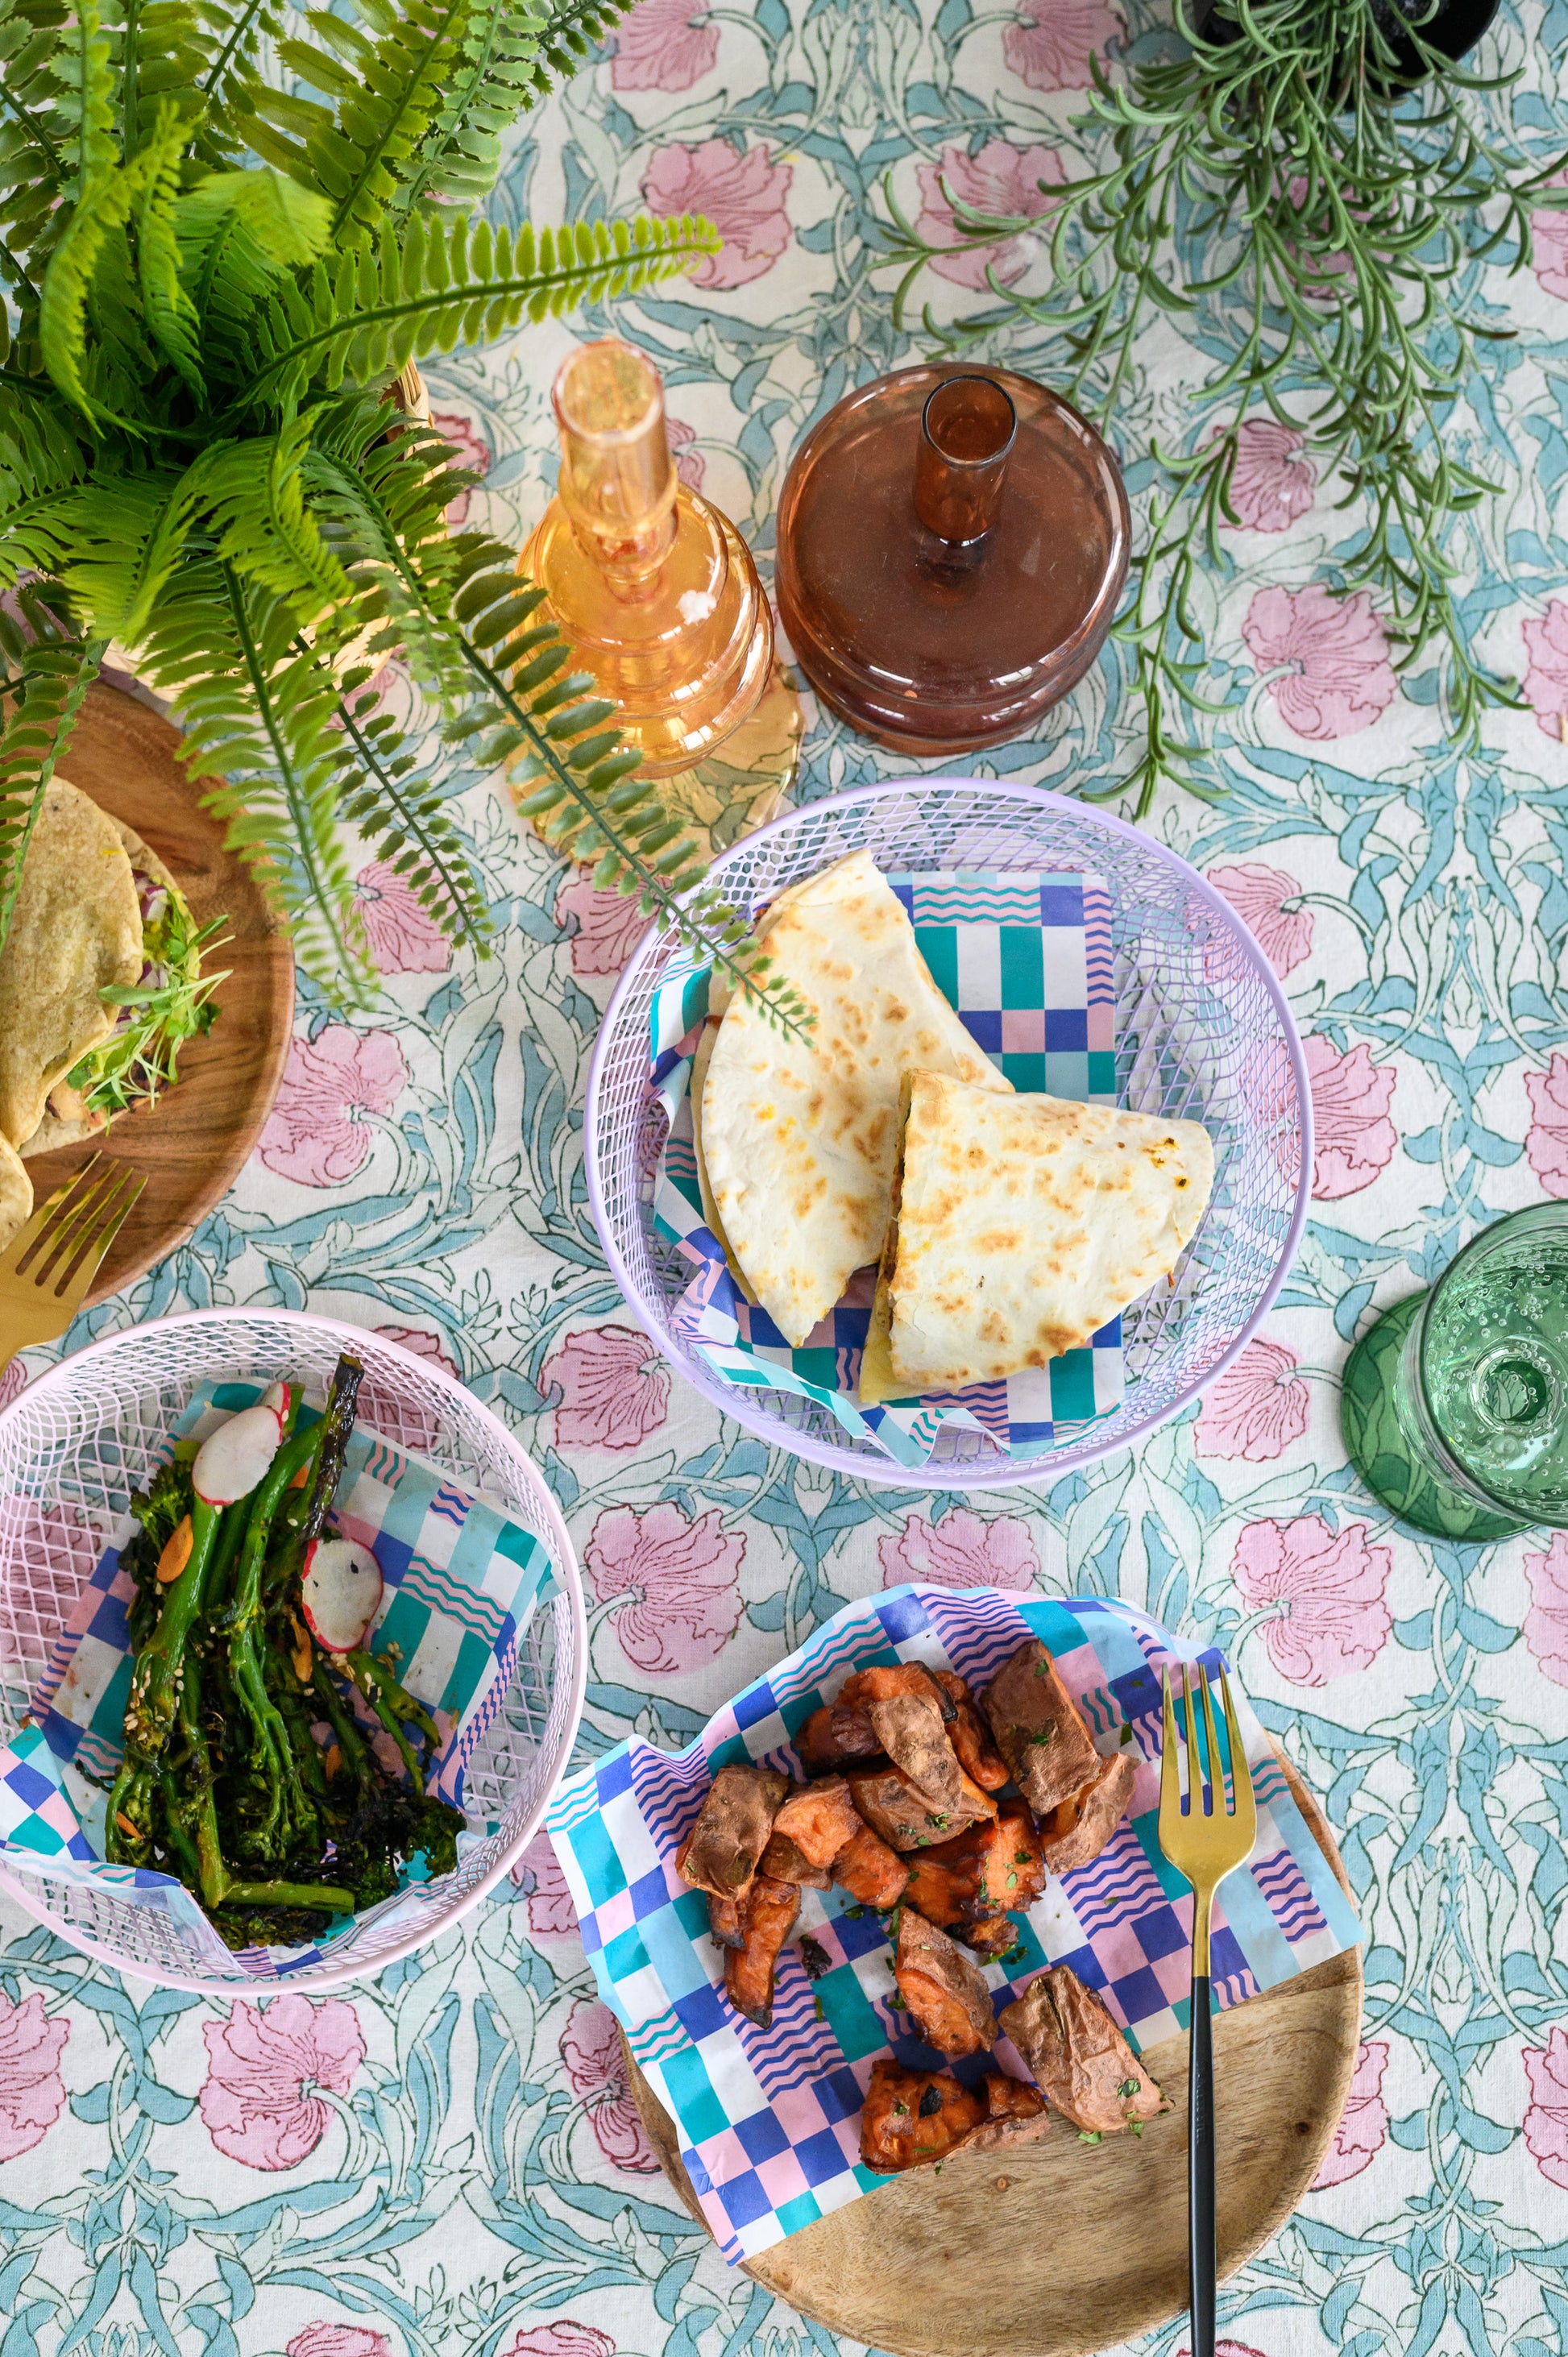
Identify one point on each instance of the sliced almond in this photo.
(177, 1552)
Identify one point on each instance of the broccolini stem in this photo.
(337, 1424)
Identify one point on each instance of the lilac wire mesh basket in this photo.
(1203, 1032)
(88, 1432)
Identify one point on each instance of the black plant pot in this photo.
(1453, 29)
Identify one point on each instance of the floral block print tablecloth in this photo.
(449, 2161)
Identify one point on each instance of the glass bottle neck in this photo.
(618, 483)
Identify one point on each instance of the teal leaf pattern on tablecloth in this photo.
(449, 2161)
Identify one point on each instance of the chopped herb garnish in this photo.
(1023, 1858)
(1047, 1733)
(854, 1912)
(898, 2003)
(1136, 2125)
(1127, 1734)
(902, 2110)
(1012, 1881)
(930, 2103)
(817, 2003)
(814, 1957)
(1089, 2135)
(1128, 2087)
(941, 1823)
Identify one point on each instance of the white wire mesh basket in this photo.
(1203, 1032)
(86, 1434)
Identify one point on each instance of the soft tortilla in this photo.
(16, 1193)
(67, 1119)
(800, 1134)
(1025, 1224)
(700, 1063)
(76, 932)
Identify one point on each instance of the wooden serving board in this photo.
(1062, 2247)
(193, 1143)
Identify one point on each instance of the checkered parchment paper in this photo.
(460, 1580)
(1026, 962)
(769, 2119)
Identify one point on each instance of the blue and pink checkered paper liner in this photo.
(461, 1581)
(1026, 962)
(769, 2119)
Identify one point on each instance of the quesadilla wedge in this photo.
(800, 1133)
(1024, 1224)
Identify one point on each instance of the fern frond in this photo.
(507, 56)
(252, 498)
(163, 47)
(258, 719)
(586, 801)
(34, 136)
(55, 673)
(385, 94)
(85, 72)
(170, 313)
(128, 530)
(41, 461)
(233, 81)
(403, 819)
(429, 284)
(238, 232)
(95, 231)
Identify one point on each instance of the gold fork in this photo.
(45, 1270)
(1206, 1841)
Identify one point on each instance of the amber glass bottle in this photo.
(952, 543)
(655, 589)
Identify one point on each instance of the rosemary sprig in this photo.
(1319, 222)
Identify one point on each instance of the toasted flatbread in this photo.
(76, 931)
(16, 1193)
(1025, 1224)
(800, 1133)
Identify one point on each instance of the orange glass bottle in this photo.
(652, 586)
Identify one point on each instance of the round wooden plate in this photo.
(1061, 2247)
(193, 1143)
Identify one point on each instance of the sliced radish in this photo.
(342, 1593)
(234, 1460)
(276, 1399)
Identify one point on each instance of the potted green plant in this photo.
(214, 283)
(1313, 184)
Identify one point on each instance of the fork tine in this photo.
(73, 1286)
(1241, 1774)
(1218, 1803)
(26, 1238)
(74, 1222)
(1170, 1767)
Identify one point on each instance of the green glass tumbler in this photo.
(1455, 1402)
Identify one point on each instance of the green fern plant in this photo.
(213, 284)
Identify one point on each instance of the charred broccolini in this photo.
(248, 1774)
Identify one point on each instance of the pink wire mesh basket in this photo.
(90, 1431)
(1203, 1032)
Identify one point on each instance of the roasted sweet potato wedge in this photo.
(986, 1871)
(1078, 1830)
(768, 1916)
(1038, 1728)
(911, 1731)
(835, 1738)
(912, 2116)
(1015, 2113)
(870, 1871)
(949, 2002)
(785, 1861)
(897, 1810)
(721, 1852)
(820, 1818)
(1080, 2061)
(969, 1736)
(866, 1686)
(939, 1888)
(991, 1936)
(725, 1921)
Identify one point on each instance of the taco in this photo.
(101, 978)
